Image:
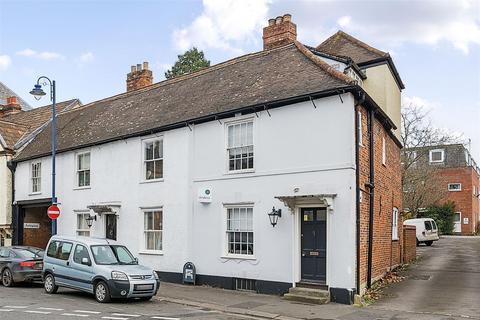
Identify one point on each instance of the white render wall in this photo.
(297, 147)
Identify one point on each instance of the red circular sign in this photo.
(53, 212)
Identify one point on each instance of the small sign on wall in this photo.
(465, 220)
(31, 225)
(205, 195)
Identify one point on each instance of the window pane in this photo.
(149, 151)
(149, 170)
(158, 169)
(157, 220)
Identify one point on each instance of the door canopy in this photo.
(291, 202)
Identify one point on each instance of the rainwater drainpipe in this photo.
(357, 178)
(371, 186)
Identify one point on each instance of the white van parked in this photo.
(427, 230)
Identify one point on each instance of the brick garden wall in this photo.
(409, 244)
(386, 252)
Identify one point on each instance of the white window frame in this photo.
(227, 148)
(39, 177)
(144, 249)
(82, 230)
(226, 233)
(360, 128)
(454, 183)
(436, 150)
(384, 151)
(395, 223)
(78, 171)
(144, 160)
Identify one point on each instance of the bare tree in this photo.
(421, 185)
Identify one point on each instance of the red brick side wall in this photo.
(386, 252)
(465, 201)
(409, 244)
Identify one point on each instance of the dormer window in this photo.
(437, 156)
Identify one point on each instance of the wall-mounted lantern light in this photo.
(90, 220)
(274, 215)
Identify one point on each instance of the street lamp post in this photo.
(38, 93)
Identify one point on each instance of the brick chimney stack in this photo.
(139, 77)
(12, 106)
(279, 32)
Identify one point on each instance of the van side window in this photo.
(434, 225)
(428, 225)
(59, 250)
(80, 253)
(53, 249)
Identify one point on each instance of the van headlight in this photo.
(155, 275)
(117, 275)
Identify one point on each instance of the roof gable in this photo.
(254, 79)
(10, 133)
(344, 44)
(6, 92)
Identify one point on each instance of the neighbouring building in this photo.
(188, 169)
(19, 123)
(459, 176)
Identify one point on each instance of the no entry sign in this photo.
(53, 212)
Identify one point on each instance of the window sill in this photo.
(34, 193)
(152, 181)
(82, 188)
(395, 240)
(151, 252)
(238, 257)
(240, 171)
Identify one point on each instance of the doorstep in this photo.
(247, 303)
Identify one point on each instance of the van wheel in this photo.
(428, 243)
(146, 298)
(102, 293)
(49, 284)
(418, 243)
(7, 278)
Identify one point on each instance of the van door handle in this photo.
(68, 263)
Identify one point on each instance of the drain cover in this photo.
(420, 277)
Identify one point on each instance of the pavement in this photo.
(443, 285)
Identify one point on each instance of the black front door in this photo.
(314, 244)
(111, 226)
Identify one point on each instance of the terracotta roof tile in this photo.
(11, 132)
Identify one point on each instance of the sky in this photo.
(88, 46)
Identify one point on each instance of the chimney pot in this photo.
(11, 100)
(279, 32)
(11, 107)
(138, 77)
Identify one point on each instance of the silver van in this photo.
(99, 266)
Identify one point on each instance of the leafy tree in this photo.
(443, 215)
(191, 61)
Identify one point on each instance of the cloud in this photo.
(389, 23)
(44, 55)
(344, 21)
(415, 101)
(86, 57)
(224, 24)
(5, 62)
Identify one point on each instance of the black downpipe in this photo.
(371, 186)
(357, 179)
(14, 226)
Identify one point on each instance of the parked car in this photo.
(20, 264)
(427, 230)
(102, 267)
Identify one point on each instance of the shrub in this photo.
(443, 215)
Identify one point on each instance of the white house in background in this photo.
(188, 169)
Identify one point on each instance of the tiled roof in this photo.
(10, 133)
(251, 80)
(343, 44)
(15, 126)
(6, 92)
